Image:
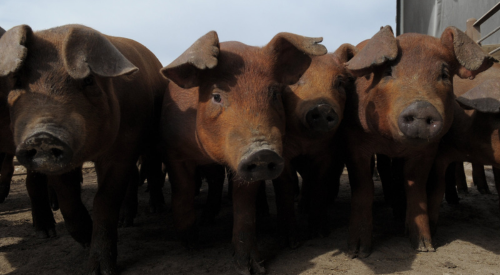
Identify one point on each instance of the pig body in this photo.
(401, 108)
(224, 106)
(77, 95)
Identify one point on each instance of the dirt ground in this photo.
(468, 240)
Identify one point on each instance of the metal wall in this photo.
(433, 16)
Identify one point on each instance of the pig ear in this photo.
(471, 58)
(484, 97)
(86, 50)
(14, 51)
(2, 31)
(291, 55)
(185, 70)
(382, 47)
(345, 53)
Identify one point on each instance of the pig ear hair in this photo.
(86, 50)
(382, 47)
(345, 52)
(291, 55)
(185, 70)
(471, 58)
(14, 51)
(484, 97)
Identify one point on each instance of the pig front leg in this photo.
(113, 177)
(43, 219)
(416, 172)
(246, 254)
(361, 220)
(6, 176)
(182, 177)
(76, 217)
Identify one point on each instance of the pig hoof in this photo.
(46, 233)
(249, 266)
(423, 245)
(484, 191)
(358, 251)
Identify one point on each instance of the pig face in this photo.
(240, 116)
(405, 86)
(62, 109)
(315, 104)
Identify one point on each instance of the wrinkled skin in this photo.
(224, 106)
(76, 90)
(473, 136)
(308, 145)
(394, 77)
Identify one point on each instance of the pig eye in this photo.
(339, 81)
(88, 81)
(445, 74)
(387, 71)
(275, 92)
(217, 98)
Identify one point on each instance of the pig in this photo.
(473, 136)
(401, 108)
(314, 108)
(78, 95)
(224, 105)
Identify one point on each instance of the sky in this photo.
(169, 27)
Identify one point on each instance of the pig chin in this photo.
(46, 150)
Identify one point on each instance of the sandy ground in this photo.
(468, 241)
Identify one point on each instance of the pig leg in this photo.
(156, 180)
(262, 207)
(416, 172)
(361, 220)
(479, 178)
(440, 175)
(113, 178)
(130, 203)
(246, 254)
(461, 180)
(451, 180)
(43, 219)
(6, 176)
(182, 176)
(284, 188)
(76, 217)
(54, 203)
(384, 171)
(496, 174)
(215, 175)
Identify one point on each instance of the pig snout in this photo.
(322, 118)
(43, 152)
(262, 164)
(420, 120)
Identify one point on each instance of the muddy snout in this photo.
(262, 164)
(43, 152)
(322, 118)
(420, 120)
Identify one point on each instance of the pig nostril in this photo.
(251, 167)
(31, 153)
(409, 119)
(329, 119)
(271, 166)
(56, 152)
(315, 116)
(429, 121)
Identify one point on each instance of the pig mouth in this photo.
(44, 153)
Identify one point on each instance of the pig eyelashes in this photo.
(445, 73)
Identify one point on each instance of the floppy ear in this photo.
(185, 70)
(2, 31)
(345, 53)
(382, 47)
(484, 97)
(291, 55)
(13, 49)
(86, 50)
(471, 58)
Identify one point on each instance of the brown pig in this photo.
(314, 108)
(474, 135)
(224, 106)
(78, 95)
(401, 108)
